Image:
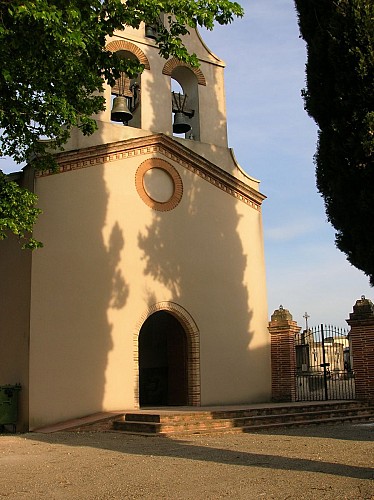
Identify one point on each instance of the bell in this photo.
(120, 111)
(150, 32)
(180, 125)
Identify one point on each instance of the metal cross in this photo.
(306, 316)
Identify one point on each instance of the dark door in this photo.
(162, 361)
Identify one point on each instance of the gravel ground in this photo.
(319, 462)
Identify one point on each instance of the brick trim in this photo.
(193, 349)
(118, 45)
(177, 181)
(159, 144)
(173, 63)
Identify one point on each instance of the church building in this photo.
(150, 288)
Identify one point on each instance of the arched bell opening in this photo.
(125, 96)
(163, 361)
(185, 103)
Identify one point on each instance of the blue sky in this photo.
(274, 140)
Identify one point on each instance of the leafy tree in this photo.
(53, 64)
(18, 213)
(339, 96)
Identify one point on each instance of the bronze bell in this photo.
(150, 32)
(180, 125)
(120, 110)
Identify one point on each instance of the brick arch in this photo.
(175, 63)
(193, 348)
(117, 45)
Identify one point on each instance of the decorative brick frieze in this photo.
(283, 330)
(193, 349)
(361, 339)
(167, 147)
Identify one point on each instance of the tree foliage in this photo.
(18, 213)
(53, 64)
(339, 96)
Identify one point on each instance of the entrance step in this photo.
(179, 422)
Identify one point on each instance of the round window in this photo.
(159, 184)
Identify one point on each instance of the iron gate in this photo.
(324, 364)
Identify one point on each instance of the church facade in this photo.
(150, 288)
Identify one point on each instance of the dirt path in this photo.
(325, 462)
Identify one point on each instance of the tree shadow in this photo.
(180, 449)
(77, 281)
(196, 253)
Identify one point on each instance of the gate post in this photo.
(282, 331)
(361, 338)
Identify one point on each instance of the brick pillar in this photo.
(283, 355)
(361, 338)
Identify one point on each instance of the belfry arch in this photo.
(183, 337)
(119, 45)
(126, 88)
(189, 79)
(174, 63)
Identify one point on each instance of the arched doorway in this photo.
(162, 346)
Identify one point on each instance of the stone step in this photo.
(172, 417)
(302, 423)
(176, 416)
(287, 409)
(172, 428)
(253, 428)
(242, 421)
(305, 415)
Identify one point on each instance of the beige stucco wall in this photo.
(108, 258)
(14, 321)
(15, 272)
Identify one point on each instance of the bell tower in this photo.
(168, 97)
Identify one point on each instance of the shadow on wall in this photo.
(78, 281)
(196, 252)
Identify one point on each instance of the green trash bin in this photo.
(9, 405)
